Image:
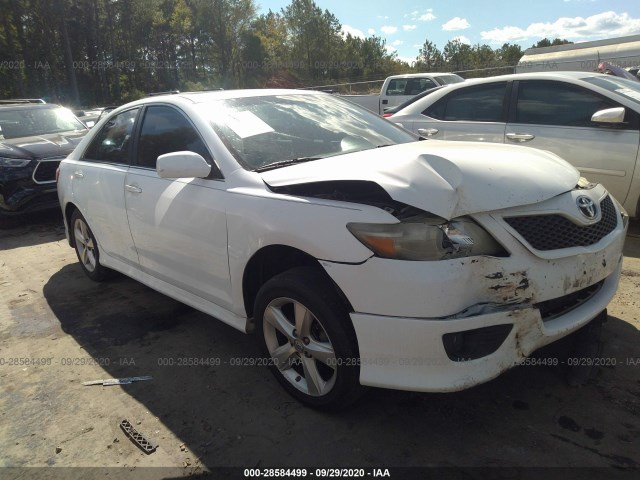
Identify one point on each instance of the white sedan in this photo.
(591, 120)
(356, 254)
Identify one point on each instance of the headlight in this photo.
(13, 162)
(427, 238)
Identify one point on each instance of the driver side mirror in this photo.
(609, 115)
(182, 165)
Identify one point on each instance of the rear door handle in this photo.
(133, 188)
(427, 132)
(78, 174)
(520, 137)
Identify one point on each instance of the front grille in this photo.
(556, 307)
(46, 171)
(552, 232)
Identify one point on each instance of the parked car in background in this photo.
(591, 120)
(358, 255)
(399, 88)
(34, 137)
(93, 116)
(389, 112)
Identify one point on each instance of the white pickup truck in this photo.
(399, 88)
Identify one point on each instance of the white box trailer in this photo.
(585, 56)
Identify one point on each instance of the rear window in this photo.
(477, 104)
(448, 79)
(409, 86)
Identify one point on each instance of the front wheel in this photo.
(305, 331)
(87, 248)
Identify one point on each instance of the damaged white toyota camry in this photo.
(356, 254)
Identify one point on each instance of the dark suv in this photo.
(34, 137)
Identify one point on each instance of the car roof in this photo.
(28, 106)
(426, 74)
(208, 96)
(570, 77)
(530, 76)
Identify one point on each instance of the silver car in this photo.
(589, 119)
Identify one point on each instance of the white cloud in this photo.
(605, 24)
(389, 29)
(371, 31)
(383, 17)
(397, 43)
(390, 49)
(462, 39)
(456, 23)
(354, 32)
(408, 28)
(425, 16)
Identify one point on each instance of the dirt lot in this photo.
(58, 329)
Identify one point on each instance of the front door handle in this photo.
(427, 132)
(133, 188)
(78, 174)
(520, 137)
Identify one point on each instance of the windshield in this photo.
(630, 89)
(28, 122)
(282, 129)
(447, 79)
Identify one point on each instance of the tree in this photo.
(458, 55)
(509, 54)
(429, 58)
(545, 42)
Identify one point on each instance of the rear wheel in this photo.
(87, 248)
(306, 333)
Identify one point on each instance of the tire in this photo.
(86, 248)
(315, 359)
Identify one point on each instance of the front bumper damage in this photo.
(413, 319)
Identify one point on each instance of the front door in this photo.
(178, 225)
(556, 116)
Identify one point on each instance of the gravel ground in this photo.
(58, 329)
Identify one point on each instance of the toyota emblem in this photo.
(587, 207)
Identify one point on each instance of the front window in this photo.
(265, 132)
(556, 103)
(29, 122)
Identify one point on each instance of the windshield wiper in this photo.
(285, 163)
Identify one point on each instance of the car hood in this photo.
(448, 179)
(41, 146)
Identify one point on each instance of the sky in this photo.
(406, 24)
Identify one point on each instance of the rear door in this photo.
(178, 225)
(98, 185)
(556, 116)
(476, 114)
